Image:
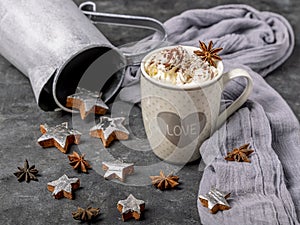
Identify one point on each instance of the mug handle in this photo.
(241, 99)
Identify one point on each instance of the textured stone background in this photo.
(23, 203)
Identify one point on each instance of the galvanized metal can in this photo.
(53, 43)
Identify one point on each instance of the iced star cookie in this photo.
(60, 136)
(109, 129)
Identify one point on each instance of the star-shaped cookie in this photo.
(109, 129)
(117, 170)
(86, 102)
(131, 207)
(59, 136)
(215, 200)
(63, 187)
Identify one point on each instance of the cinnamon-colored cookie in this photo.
(215, 200)
(59, 136)
(117, 170)
(63, 187)
(109, 129)
(131, 208)
(86, 102)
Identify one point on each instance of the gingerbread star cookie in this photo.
(63, 187)
(131, 208)
(109, 129)
(215, 200)
(59, 136)
(117, 170)
(86, 102)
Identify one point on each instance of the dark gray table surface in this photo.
(20, 117)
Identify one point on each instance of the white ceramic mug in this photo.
(178, 119)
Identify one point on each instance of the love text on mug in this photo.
(181, 132)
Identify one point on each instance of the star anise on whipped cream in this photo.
(208, 53)
(240, 154)
(163, 182)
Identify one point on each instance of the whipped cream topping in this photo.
(179, 67)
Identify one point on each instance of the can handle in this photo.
(133, 58)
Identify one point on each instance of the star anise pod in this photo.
(163, 182)
(78, 162)
(86, 215)
(208, 54)
(240, 154)
(27, 173)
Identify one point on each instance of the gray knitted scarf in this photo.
(267, 190)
